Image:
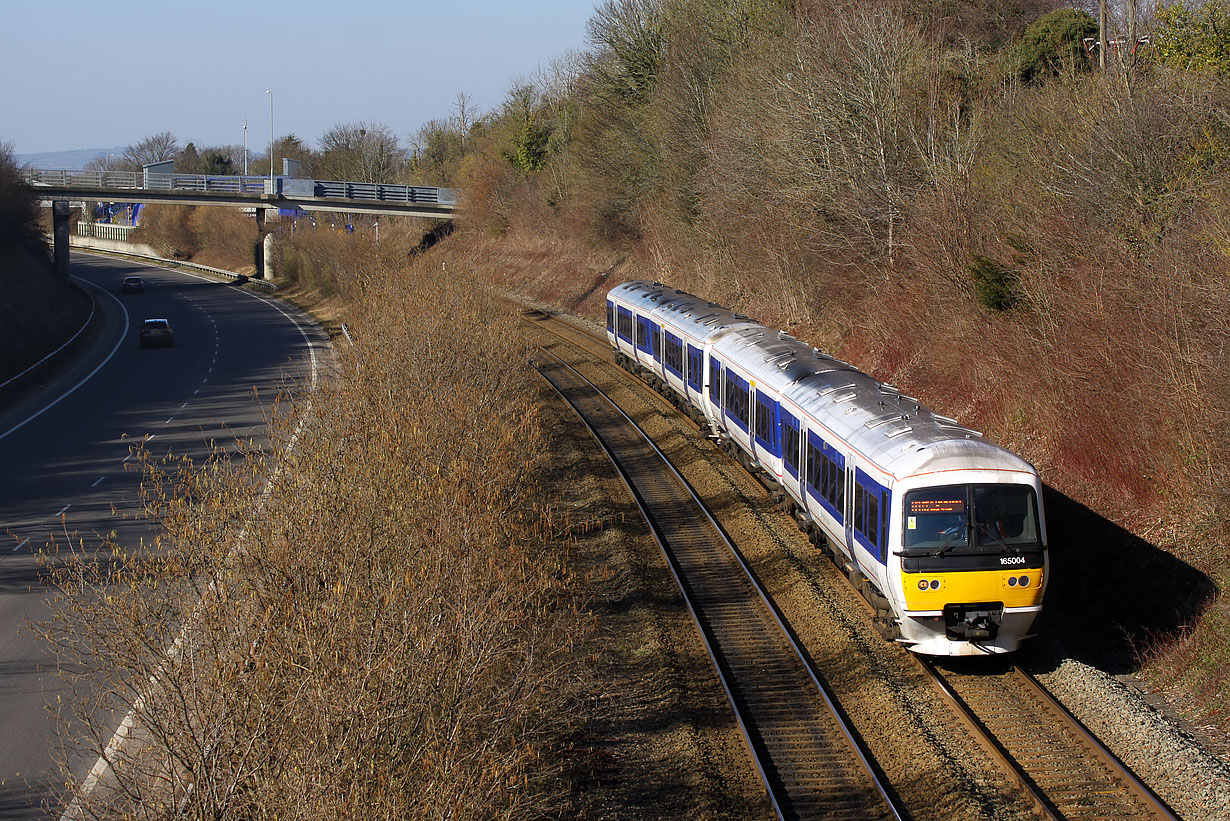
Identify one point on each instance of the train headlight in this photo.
(1024, 581)
(1012, 581)
(922, 584)
(935, 584)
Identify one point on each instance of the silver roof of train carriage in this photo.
(892, 429)
(689, 313)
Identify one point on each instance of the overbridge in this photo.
(281, 192)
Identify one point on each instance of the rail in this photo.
(1063, 769)
(810, 761)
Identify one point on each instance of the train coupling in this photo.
(973, 622)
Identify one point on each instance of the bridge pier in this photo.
(263, 252)
(60, 211)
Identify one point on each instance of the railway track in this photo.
(1058, 767)
(810, 761)
(1068, 773)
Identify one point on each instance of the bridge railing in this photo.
(279, 186)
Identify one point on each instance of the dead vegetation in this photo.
(384, 631)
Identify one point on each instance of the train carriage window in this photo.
(672, 353)
(790, 442)
(642, 333)
(715, 382)
(763, 418)
(695, 370)
(737, 398)
(623, 323)
(657, 342)
(860, 504)
(839, 488)
(872, 529)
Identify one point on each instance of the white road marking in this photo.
(194, 393)
(24, 542)
(96, 481)
(111, 752)
(89, 376)
(60, 512)
(169, 421)
(84, 325)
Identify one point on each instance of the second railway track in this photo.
(811, 763)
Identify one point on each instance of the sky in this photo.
(104, 74)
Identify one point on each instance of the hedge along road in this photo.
(65, 459)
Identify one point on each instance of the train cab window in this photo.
(610, 316)
(657, 342)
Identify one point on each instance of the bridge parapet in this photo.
(277, 187)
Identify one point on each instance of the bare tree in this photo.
(362, 152)
(154, 148)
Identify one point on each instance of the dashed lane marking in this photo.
(97, 481)
(60, 512)
(24, 542)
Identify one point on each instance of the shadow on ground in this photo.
(1111, 592)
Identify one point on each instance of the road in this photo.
(65, 463)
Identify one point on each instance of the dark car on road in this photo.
(132, 285)
(157, 332)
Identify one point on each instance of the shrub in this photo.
(1196, 38)
(996, 285)
(1054, 44)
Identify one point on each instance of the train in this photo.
(940, 529)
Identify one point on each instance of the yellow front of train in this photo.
(971, 561)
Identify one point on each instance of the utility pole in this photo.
(1102, 34)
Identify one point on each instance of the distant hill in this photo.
(72, 160)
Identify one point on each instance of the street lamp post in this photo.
(245, 146)
(270, 93)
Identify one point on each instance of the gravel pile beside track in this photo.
(1163, 754)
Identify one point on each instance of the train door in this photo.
(848, 505)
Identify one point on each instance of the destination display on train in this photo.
(937, 506)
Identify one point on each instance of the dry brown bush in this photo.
(169, 230)
(324, 258)
(227, 238)
(385, 634)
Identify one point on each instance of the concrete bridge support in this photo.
(60, 211)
